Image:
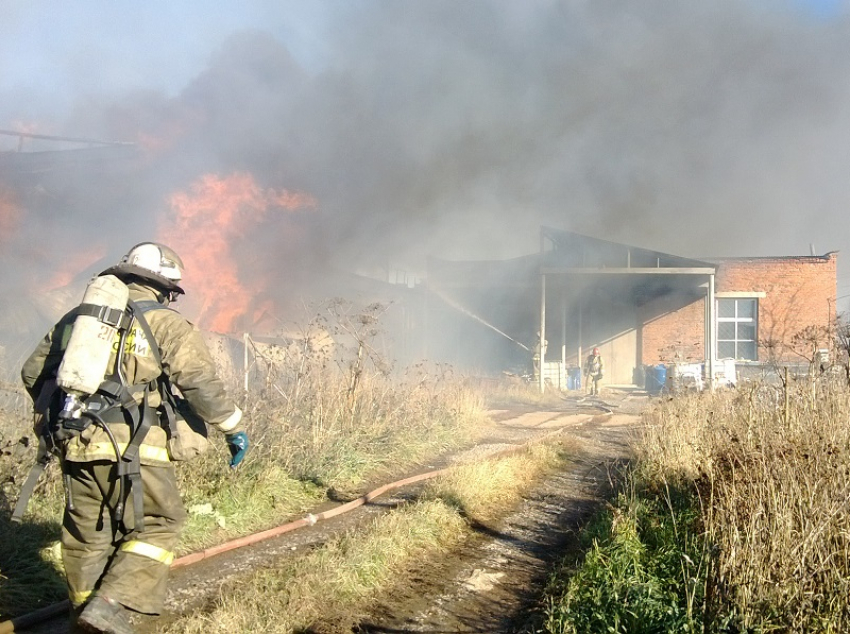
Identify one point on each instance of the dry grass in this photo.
(773, 474)
(314, 437)
(513, 390)
(485, 489)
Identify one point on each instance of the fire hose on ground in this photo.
(57, 609)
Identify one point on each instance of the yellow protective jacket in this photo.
(186, 361)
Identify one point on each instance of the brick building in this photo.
(640, 307)
(763, 305)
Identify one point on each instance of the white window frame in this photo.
(736, 319)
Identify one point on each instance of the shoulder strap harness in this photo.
(113, 394)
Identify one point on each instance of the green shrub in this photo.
(643, 572)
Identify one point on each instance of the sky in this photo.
(366, 135)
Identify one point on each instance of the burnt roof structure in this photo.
(22, 168)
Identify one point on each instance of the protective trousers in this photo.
(130, 568)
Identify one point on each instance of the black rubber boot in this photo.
(105, 616)
(74, 614)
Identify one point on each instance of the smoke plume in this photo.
(409, 129)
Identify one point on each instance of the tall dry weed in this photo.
(772, 467)
(328, 429)
(324, 415)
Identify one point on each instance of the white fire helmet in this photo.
(157, 258)
(152, 261)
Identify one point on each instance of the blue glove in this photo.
(238, 445)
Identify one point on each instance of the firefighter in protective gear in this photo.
(111, 564)
(594, 369)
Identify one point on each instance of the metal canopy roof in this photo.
(574, 262)
(575, 253)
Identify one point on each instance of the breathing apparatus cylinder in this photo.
(86, 358)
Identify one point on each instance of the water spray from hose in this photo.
(469, 313)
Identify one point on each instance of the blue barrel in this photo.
(656, 379)
(574, 379)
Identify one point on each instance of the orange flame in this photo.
(203, 226)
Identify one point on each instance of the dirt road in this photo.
(494, 584)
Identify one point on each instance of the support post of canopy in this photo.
(564, 330)
(710, 332)
(542, 339)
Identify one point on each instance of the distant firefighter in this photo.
(594, 370)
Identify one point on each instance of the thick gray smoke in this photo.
(456, 129)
